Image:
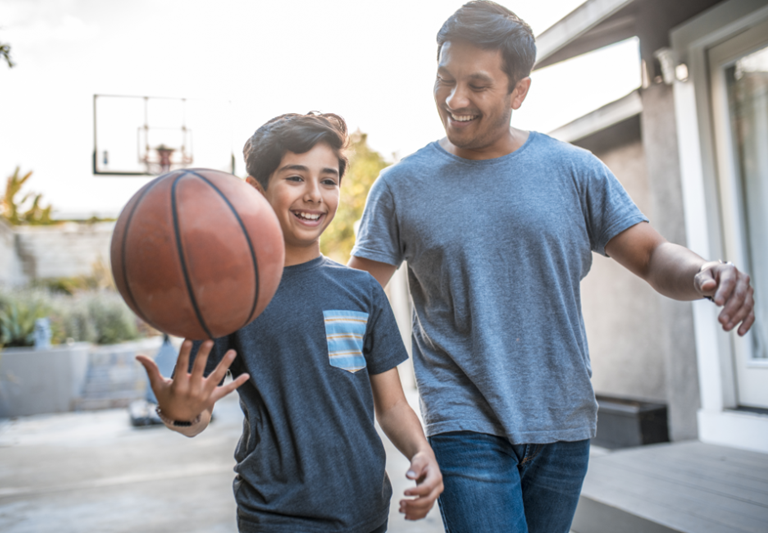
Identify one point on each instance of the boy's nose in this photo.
(312, 192)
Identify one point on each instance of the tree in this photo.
(13, 208)
(364, 166)
(5, 53)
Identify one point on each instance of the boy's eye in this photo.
(294, 178)
(330, 182)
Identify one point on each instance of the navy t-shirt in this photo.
(310, 458)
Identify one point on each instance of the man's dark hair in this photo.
(489, 26)
(297, 133)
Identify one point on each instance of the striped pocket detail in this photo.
(344, 331)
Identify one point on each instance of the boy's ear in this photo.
(255, 184)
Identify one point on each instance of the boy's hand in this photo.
(187, 395)
(429, 485)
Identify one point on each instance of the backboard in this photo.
(145, 136)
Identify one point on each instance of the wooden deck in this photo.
(686, 487)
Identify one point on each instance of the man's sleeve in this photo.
(383, 347)
(378, 237)
(608, 208)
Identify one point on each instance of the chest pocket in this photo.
(344, 331)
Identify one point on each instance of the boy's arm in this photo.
(186, 402)
(400, 424)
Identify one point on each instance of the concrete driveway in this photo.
(92, 472)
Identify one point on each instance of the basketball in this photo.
(197, 253)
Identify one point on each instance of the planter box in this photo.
(625, 423)
(74, 377)
(42, 381)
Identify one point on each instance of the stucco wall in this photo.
(621, 312)
(65, 250)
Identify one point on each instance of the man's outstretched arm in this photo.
(678, 273)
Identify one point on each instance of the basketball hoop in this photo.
(166, 159)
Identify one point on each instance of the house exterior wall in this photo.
(621, 312)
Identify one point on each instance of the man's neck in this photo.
(504, 146)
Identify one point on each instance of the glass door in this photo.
(739, 78)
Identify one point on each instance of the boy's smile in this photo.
(304, 192)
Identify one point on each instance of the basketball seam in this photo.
(141, 313)
(180, 249)
(248, 240)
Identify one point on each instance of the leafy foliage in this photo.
(19, 210)
(5, 53)
(17, 318)
(365, 165)
(98, 316)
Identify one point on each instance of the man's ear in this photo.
(255, 184)
(519, 93)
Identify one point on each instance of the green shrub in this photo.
(98, 316)
(18, 312)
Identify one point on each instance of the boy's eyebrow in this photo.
(302, 168)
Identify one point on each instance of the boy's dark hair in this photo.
(489, 26)
(297, 133)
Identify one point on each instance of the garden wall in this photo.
(10, 268)
(64, 250)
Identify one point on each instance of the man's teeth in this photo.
(307, 216)
(463, 118)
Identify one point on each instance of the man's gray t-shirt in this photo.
(310, 458)
(496, 250)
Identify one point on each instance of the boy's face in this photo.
(304, 192)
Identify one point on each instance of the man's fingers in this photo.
(706, 283)
(735, 311)
(747, 323)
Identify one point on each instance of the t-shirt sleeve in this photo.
(608, 208)
(378, 237)
(383, 347)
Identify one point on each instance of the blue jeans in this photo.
(494, 486)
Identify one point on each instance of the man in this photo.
(498, 226)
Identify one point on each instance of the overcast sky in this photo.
(371, 61)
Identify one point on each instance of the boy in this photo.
(313, 367)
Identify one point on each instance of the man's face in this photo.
(472, 96)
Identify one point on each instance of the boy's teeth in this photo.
(307, 216)
(462, 118)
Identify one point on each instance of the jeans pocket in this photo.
(345, 332)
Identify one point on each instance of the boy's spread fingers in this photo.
(153, 373)
(223, 390)
(198, 368)
(221, 369)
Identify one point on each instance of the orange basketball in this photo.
(197, 253)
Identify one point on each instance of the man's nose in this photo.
(457, 99)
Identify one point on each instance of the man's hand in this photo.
(429, 485)
(187, 395)
(728, 288)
